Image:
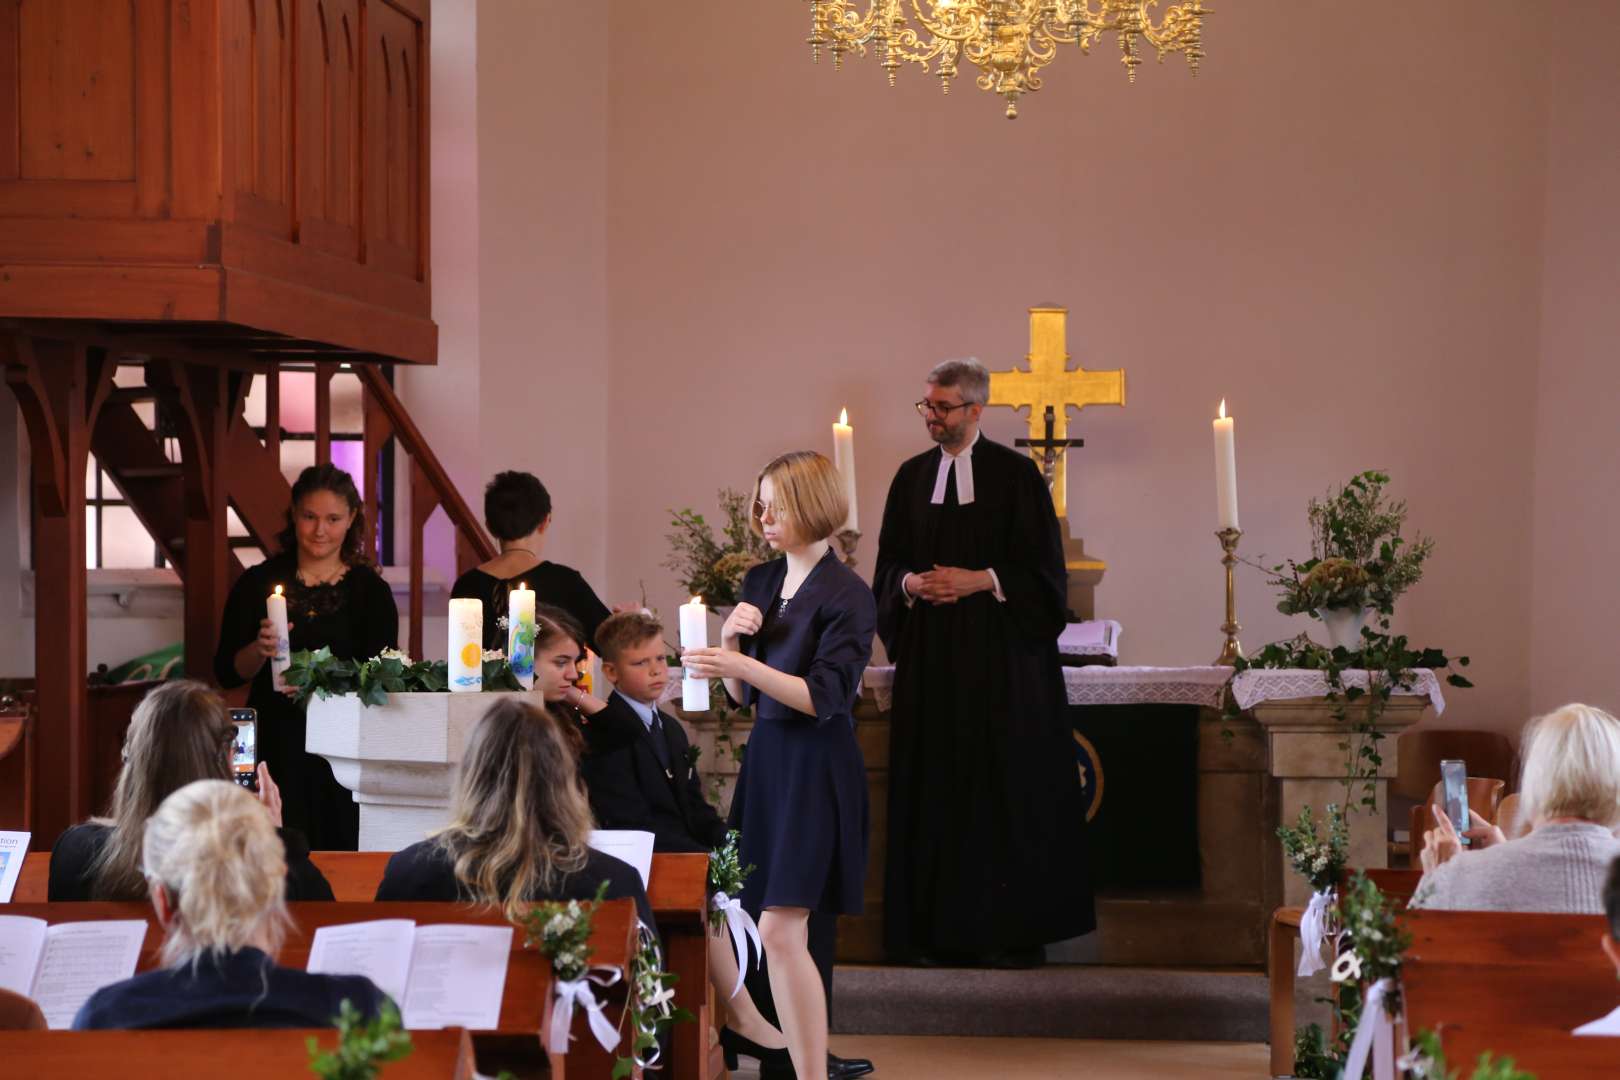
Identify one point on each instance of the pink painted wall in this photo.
(1337, 227)
(1577, 479)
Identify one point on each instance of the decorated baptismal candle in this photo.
(520, 634)
(275, 609)
(467, 645)
(694, 635)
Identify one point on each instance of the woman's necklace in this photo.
(322, 577)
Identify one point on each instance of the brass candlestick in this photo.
(848, 539)
(1231, 652)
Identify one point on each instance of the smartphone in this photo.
(1454, 790)
(245, 748)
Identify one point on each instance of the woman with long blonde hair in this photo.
(519, 823)
(214, 869)
(180, 732)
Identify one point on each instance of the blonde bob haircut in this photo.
(215, 852)
(1572, 766)
(809, 492)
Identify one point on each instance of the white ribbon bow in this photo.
(743, 929)
(1313, 932)
(1375, 1032)
(578, 992)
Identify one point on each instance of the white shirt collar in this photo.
(963, 463)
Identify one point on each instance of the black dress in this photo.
(801, 795)
(426, 872)
(78, 848)
(355, 617)
(554, 584)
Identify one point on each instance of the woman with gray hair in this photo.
(1570, 794)
(215, 870)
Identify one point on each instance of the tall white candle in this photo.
(1226, 504)
(466, 645)
(844, 459)
(695, 635)
(520, 634)
(275, 609)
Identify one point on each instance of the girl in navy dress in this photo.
(795, 648)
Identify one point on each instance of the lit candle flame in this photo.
(278, 590)
(843, 417)
(523, 586)
(1223, 409)
(697, 600)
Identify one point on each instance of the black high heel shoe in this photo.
(733, 1044)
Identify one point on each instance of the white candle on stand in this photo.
(844, 459)
(520, 634)
(466, 645)
(275, 609)
(1225, 470)
(694, 635)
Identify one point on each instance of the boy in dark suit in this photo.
(652, 783)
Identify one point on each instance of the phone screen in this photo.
(245, 748)
(1454, 790)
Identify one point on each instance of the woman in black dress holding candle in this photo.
(334, 599)
(796, 647)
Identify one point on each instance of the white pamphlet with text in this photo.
(629, 845)
(452, 975)
(61, 966)
(13, 846)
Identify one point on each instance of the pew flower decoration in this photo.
(1319, 859)
(1425, 1060)
(651, 1008)
(1376, 943)
(363, 1046)
(562, 930)
(726, 877)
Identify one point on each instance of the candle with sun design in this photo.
(466, 645)
(275, 609)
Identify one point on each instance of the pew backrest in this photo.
(1548, 1053)
(239, 1054)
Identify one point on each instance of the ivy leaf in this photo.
(1458, 681)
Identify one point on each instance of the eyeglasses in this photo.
(777, 511)
(928, 408)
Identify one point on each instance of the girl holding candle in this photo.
(334, 598)
(796, 646)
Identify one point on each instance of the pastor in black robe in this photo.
(986, 845)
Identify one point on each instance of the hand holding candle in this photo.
(275, 608)
(694, 635)
(466, 645)
(844, 460)
(1226, 471)
(520, 634)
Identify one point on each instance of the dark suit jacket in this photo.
(630, 790)
(242, 989)
(77, 849)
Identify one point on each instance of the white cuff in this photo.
(905, 593)
(995, 586)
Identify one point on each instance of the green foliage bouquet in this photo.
(318, 673)
(709, 567)
(1359, 559)
(1319, 859)
(363, 1046)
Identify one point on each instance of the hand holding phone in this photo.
(245, 748)
(1454, 791)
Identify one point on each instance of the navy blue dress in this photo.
(801, 795)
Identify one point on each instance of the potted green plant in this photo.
(1359, 565)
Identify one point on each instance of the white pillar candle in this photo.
(1225, 471)
(466, 645)
(275, 609)
(694, 635)
(844, 459)
(520, 634)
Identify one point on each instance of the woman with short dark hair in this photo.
(336, 600)
(517, 510)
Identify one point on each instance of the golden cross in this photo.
(1050, 383)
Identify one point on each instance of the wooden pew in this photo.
(1548, 1053)
(242, 1055)
(33, 881)
(515, 1040)
(1497, 968)
(678, 894)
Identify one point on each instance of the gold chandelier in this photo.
(1009, 41)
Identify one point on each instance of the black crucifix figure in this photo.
(1050, 445)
